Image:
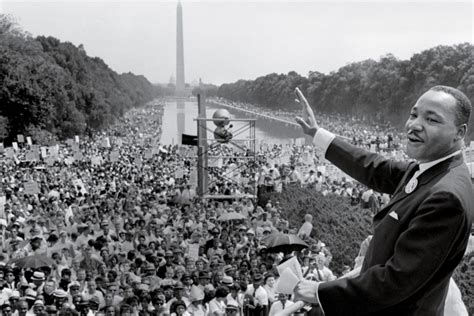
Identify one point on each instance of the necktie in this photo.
(319, 275)
(411, 185)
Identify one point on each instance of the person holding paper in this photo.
(420, 236)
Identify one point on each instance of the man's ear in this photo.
(461, 132)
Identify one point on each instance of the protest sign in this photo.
(31, 156)
(3, 201)
(193, 251)
(15, 146)
(53, 151)
(106, 142)
(96, 160)
(50, 161)
(149, 154)
(31, 187)
(114, 156)
(20, 138)
(178, 174)
(76, 138)
(29, 141)
(78, 156)
(44, 152)
(214, 162)
(9, 153)
(193, 180)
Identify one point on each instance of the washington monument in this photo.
(179, 51)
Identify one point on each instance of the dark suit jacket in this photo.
(409, 262)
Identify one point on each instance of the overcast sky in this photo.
(226, 41)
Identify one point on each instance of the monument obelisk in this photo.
(179, 51)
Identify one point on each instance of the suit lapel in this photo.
(399, 193)
(443, 166)
(423, 179)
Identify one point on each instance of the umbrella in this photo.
(34, 262)
(231, 216)
(278, 242)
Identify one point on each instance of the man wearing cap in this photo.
(215, 237)
(204, 279)
(178, 296)
(9, 278)
(232, 308)
(258, 296)
(169, 264)
(187, 283)
(150, 276)
(195, 308)
(38, 307)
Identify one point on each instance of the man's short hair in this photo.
(463, 105)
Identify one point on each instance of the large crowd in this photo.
(111, 224)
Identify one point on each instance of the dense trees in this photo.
(381, 90)
(55, 89)
(339, 225)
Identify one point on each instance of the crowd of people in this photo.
(111, 225)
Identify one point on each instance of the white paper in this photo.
(294, 265)
(286, 282)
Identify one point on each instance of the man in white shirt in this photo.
(307, 227)
(259, 295)
(279, 305)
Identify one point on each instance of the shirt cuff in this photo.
(322, 139)
(317, 297)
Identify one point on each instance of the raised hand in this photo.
(308, 121)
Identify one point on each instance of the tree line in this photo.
(379, 90)
(53, 90)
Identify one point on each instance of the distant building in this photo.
(180, 83)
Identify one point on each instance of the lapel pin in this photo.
(411, 186)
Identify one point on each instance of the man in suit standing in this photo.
(421, 235)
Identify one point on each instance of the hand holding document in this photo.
(290, 275)
(287, 282)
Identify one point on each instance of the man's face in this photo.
(10, 277)
(129, 292)
(49, 287)
(81, 275)
(92, 286)
(431, 129)
(22, 308)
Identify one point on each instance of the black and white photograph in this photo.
(236, 157)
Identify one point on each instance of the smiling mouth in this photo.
(414, 139)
